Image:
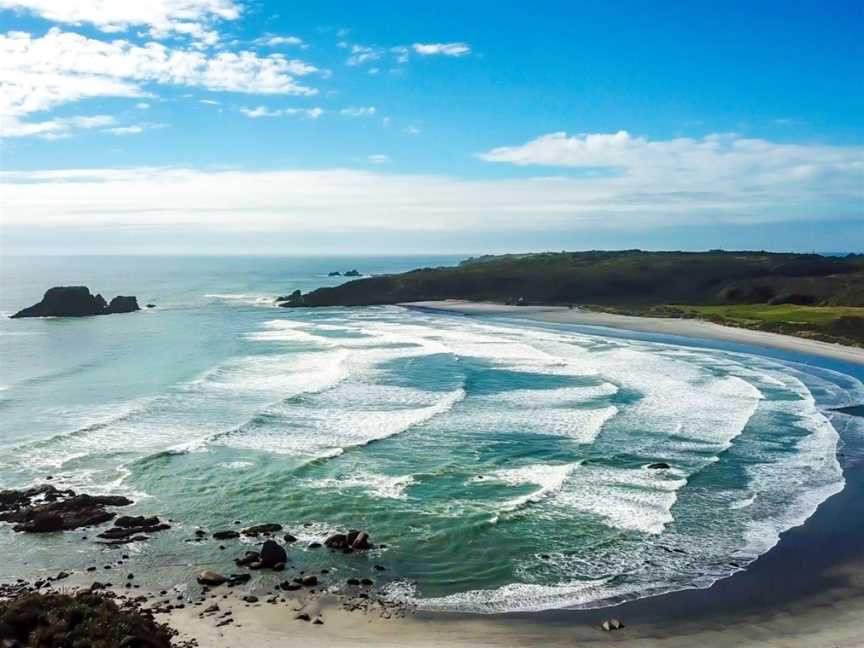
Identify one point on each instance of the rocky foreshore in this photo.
(48, 509)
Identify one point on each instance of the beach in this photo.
(473, 449)
(662, 325)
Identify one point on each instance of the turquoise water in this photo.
(503, 463)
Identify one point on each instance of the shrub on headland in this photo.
(82, 620)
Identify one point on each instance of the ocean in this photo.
(503, 463)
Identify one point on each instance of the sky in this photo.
(265, 127)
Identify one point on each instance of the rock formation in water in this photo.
(76, 301)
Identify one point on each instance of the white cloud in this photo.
(345, 200)
(193, 18)
(209, 102)
(41, 73)
(263, 111)
(358, 111)
(411, 130)
(54, 128)
(276, 41)
(361, 54)
(142, 105)
(445, 49)
(716, 164)
(133, 129)
(379, 158)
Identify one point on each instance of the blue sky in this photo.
(211, 126)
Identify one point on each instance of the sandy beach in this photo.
(663, 325)
(795, 595)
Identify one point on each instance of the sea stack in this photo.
(76, 301)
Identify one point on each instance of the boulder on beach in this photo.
(211, 578)
(272, 554)
(76, 301)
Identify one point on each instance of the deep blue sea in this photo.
(503, 463)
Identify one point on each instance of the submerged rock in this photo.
(258, 529)
(659, 466)
(76, 301)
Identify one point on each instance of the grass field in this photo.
(783, 313)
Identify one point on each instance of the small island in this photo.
(76, 301)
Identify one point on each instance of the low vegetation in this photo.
(799, 294)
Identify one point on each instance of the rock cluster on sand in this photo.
(44, 509)
(76, 301)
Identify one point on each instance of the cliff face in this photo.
(626, 278)
(76, 301)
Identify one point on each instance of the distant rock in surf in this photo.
(352, 273)
(659, 466)
(76, 301)
(335, 273)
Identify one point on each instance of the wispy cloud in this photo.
(59, 128)
(358, 111)
(379, 158)
(442, 49)
(263, 111)
(133, 129)
(276, 41)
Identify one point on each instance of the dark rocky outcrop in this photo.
(352, 273)
(259, 529)
(294, 299)
(334, 273)
(272, 554)
(353, 540)
(45, 509)
(225, 535)
(660, 465)
(76, 301)
(129, 528)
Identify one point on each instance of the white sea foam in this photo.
(377, 485)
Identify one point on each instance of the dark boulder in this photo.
(211, 578)
(294, 299)
(76, 301)
(334, 273)
(122, 304)
(352, 273)
(337, 541)
(272, 554)
(225, 535)
(249, 558)
(258, 529)
(659, 466)
(128, 521)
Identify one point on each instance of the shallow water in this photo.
(503, 463)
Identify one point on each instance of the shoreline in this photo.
(689, 328)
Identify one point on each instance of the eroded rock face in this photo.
(76, 301)
(44, 509)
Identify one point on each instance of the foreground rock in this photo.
(44, 509)
(76, 301)
(352, 541)
(85, 619)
